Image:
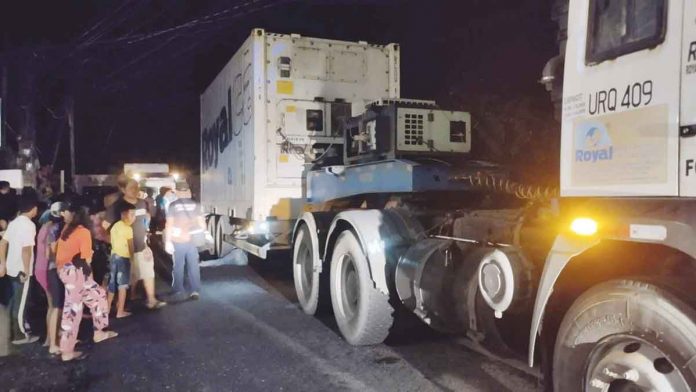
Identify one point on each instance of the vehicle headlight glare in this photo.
(584, 226)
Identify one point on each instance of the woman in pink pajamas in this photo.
(73, 258)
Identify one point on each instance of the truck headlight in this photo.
(584, 226)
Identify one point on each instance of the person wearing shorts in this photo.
(57, 291)
(102, 247)
(142, 262)
(47, 275)
(143, 267)
(121, 256)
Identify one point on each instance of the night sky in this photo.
(136, 68)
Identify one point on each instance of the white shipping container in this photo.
(14, 176)
(145, 168)
(277, 97)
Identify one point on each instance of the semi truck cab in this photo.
(615, 299)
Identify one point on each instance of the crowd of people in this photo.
(88, 254)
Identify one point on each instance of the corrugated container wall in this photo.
(277, 97)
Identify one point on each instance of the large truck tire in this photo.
(363, 313)
(304, 274)
(626, 335)
(211, 224)
(209, 220)
(217, 236)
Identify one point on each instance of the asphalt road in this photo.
(246, 333)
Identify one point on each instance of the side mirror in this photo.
(552, 71)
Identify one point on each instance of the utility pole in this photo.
(3, 95)
(70, 115)
(3, 106)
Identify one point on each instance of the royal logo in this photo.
(233, 116)
(592, 143)
(216, 137)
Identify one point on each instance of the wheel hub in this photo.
(350, 292)
(492, 280)
(305, 263)
(625, 363)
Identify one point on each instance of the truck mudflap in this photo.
(259, 237)
(257, 249)
(564, 248)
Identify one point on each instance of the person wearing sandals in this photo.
(46, 274)
(73, 258)
(143, 263)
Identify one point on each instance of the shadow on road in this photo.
(277, 272)
(437, 356)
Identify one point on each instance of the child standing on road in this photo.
(121, 255)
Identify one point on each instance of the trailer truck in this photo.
(593, 283)
(276, 105)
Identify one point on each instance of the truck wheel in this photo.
(209, 220)
(626, 336)
(304, 274)
(210, 223)
(217, 236)
(212, 229)
(362, 312)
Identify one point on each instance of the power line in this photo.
(148, 20)
(130, 39)
(85, 35)
(141, 57)
(206, 19)
(10, 127)
(53, 114)
(116, 23)
(191, 24)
